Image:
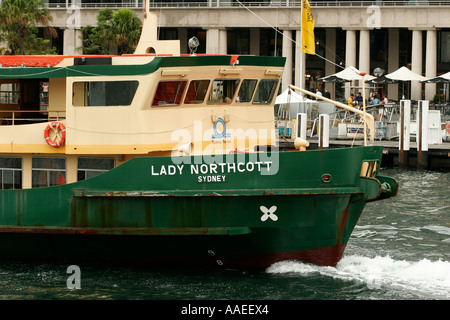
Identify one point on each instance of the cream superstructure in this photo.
(135, 105)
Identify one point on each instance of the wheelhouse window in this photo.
(246, 90)
(196, 92)
(46, 172)
(223, 90)
(265, 92)
(104, 93)
(91, 167)
(169, 93)
(10, 173)
(9, 93)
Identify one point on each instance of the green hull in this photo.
(241, 210)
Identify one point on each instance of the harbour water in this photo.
(400, 250)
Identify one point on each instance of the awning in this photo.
(443, 78)
(346, 75)
(293, 97)
(404, 74)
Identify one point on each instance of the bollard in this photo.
(324, 131)
(422, 134)
(301, 125)
(404, 138)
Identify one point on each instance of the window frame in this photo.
(87, 170)
(47, 170)
(14, 170)
(205, 96)
(85, 92)
(231, 99)
(240, 87)
(272, 94)
(179, 95)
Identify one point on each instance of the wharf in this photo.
(436, 158)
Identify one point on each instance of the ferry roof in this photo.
(36, 67)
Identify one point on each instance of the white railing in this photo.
(248, 3)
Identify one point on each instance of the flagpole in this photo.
(301, 46)
(364, 106)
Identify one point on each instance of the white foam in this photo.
(425, 278)
(439, 229)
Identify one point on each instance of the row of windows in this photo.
(223, 91)
(46, 171)
(172, 92)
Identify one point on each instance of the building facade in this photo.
(363, 34)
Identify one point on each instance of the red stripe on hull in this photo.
(326, 256)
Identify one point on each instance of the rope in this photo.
(278, 31)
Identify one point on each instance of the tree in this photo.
(126, 28)
(121, 30)
(18, 20)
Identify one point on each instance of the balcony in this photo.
(133, 4)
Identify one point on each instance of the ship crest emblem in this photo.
(268, 213)
(217, 134)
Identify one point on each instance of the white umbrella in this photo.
(348, 74)
(404, 74)
(439, 79)
(293, 98)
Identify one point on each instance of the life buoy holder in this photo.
(59, 134)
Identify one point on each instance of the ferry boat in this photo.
(165, 158)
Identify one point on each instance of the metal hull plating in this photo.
(240, 210)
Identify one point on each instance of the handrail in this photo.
(13, 112)
(368, 118)
(268, 3)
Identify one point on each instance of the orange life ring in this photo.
(59, 133)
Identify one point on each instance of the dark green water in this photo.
(400, 250)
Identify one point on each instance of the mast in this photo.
(301, 64)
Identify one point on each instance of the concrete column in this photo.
(255, 41)
(364, 55)
(72, 41)
(431, 63)
(216, 41)
(330, 55)
(364, 51)
(78, 41)
(350, 48)
(300, 62)
(393, 61)
(69, 42)
(182, 35)
(416, 64)
(350, 55)
(223, 41)
(287, 52)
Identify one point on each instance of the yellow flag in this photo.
(308, 43)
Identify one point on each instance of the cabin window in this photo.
(196, 92)
(9, 93)
(169, 93)
(369, 169)
(46, 172)
(265, 92)
(223, 90)
(10, 173)
(91, 167)
(246, 91)
(104, 93)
